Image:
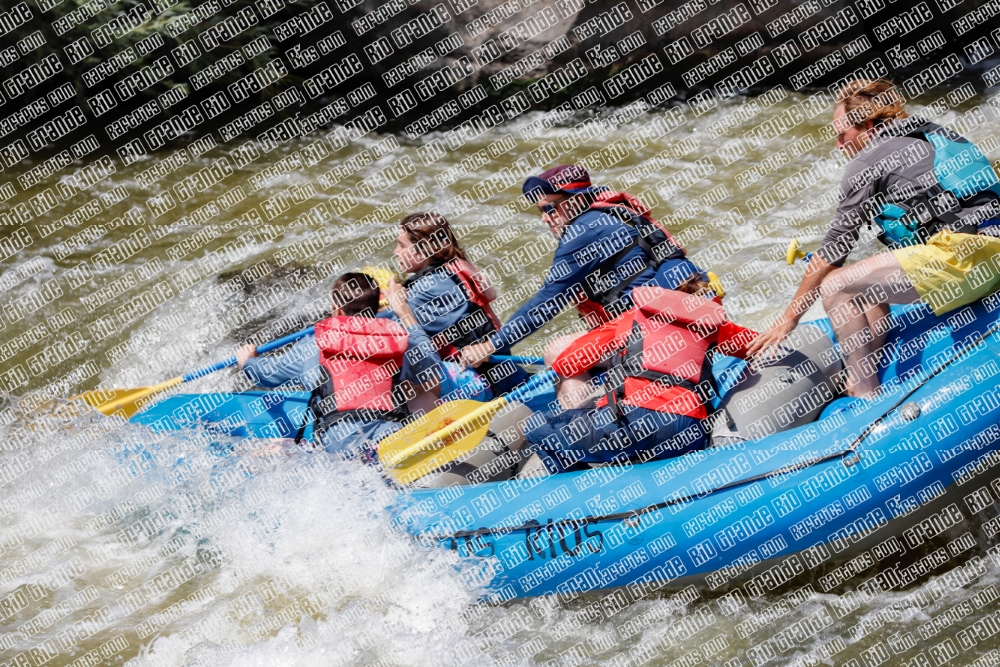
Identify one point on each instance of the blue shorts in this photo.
(350, 436)
(566, 440)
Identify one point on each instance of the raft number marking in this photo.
(546, 540)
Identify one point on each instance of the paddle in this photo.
(445, 434)
(793, 253)
(524, 361)
(131, 401)
(382, 276)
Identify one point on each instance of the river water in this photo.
(120, 546)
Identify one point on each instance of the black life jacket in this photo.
(481, 320)
(604, 286)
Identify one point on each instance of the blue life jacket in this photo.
(963, 176)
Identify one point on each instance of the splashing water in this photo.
(121, 545)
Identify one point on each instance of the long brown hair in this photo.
(433, 235)
(876, 100)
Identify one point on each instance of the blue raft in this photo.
(873, 497)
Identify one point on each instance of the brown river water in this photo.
(295, 562)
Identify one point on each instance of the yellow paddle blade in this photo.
(381, 276)
(128, 401)
(793, 253)
(716, 284)
(441, 436)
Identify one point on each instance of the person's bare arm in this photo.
(476, 354)
(804, 298)
(244, 354)
(395, 295)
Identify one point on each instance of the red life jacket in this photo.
(653, 239)
(464, 274)
(660, 347)
(362, 356)
(608, 199)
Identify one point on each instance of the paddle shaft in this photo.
(129, 400)
(463, 422)
(291, 338)
(525, 361)
(263, 349)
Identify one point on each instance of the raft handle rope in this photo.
(632, 516)
(931, 375)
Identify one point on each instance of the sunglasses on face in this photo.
(548, 209)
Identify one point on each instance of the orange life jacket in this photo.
(653, 238)
(660, 348)
(363, 357)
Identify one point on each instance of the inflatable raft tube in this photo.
(778, 393)
(871, 498)
(877, 496)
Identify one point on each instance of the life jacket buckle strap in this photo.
(614, 388)
(946, 202)
(614, 385)
(313, 410)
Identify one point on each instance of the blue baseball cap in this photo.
(566, 179)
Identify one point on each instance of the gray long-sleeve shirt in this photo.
(893, 168)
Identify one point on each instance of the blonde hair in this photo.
(875, 100)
